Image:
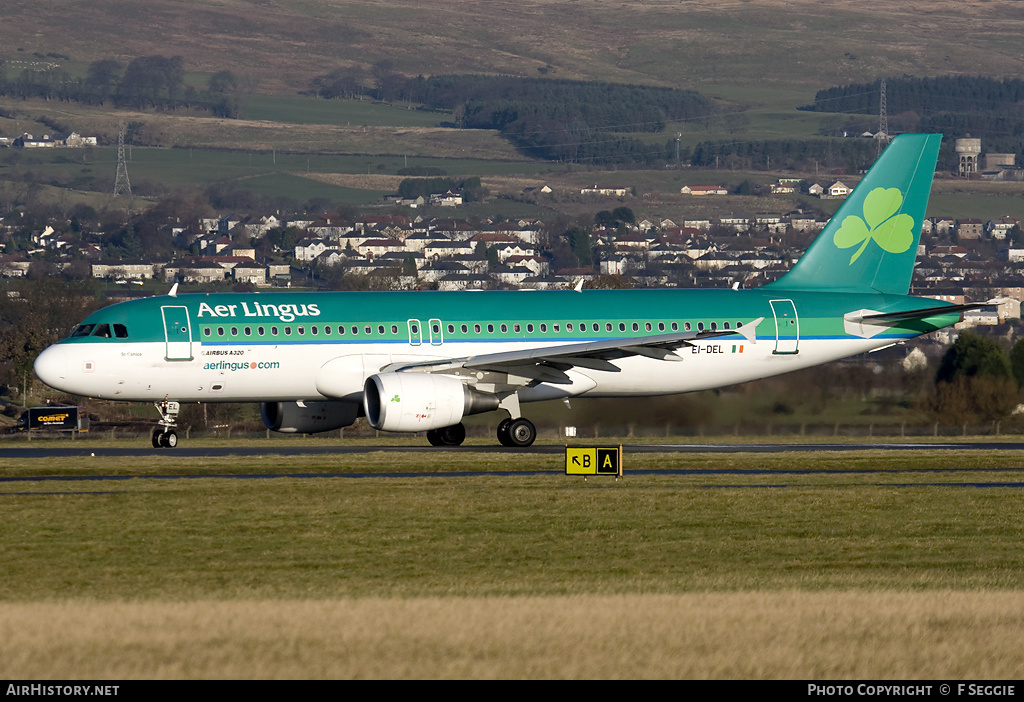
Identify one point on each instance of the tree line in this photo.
(559, 120)
(788, 154)
(146, 82)
(987, 108)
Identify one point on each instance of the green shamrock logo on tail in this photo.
(893, 232)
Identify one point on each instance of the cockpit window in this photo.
(82, 330)
(120, 331)
(102, 331)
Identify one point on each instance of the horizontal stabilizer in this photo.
(870, 323)
(882, 317)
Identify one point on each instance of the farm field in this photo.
(870, 564)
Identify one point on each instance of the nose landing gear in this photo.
(165, 436)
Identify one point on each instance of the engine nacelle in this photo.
(308, 417)
(420, 401)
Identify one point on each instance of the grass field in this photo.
(871, 564)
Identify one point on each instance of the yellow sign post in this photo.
(593, 461)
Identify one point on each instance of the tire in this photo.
(521, 433)
(503, 437)
(170, 439)
(156, 438)
(433, 436)
(453, 435)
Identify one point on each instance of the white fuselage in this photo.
(323, 371)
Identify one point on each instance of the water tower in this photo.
(968, 150)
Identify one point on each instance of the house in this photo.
(1012, 254)
(137, 270)
(257, 275)
(309, 249)
(195, 272)
(700, 224)
(279, 270)
(12, 266)
(740, 224)
(27, 141)
(330, 257)
(536, 264)
(612, 192)
(837, 191)
(447, 249)
(1000, 228)
(508, 250)
(510, 275)
(703, 190)
(375, 248)
(448, 199)
(969, 228)
(958, 251)
(943, 226)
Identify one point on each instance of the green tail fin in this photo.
(870, 245)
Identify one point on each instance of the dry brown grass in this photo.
(707, 42)
(788, 635)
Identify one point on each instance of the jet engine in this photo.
(420, 401)
(308, 417)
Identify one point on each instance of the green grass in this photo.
(487, 535)
(303, 189)
(306, 110)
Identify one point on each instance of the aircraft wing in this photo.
(549, 363)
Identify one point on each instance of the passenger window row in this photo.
(477, 328)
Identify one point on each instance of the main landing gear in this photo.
(516, 433)
(165, 436)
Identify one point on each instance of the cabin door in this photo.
(177, 333)
(787, 327)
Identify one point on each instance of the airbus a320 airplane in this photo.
(421, 361)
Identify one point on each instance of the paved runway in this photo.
(82, 448)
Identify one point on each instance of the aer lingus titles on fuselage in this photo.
(415, 361)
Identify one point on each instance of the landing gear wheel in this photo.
(164, 436)
(521, 433)
(503, 437)
(165, 439)
(447, 436)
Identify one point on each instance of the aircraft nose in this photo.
(51, 366)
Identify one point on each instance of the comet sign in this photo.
(593, 461)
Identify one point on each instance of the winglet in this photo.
(174, 291)
(579, 286)
(749, 331)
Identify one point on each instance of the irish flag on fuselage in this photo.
(870, 245)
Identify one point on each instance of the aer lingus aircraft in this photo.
(421, 361)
